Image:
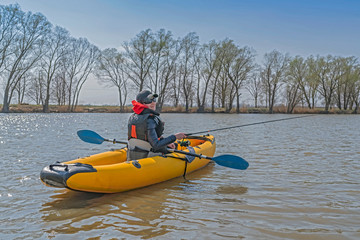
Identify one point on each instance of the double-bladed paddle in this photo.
(226, 160)
(92, 137)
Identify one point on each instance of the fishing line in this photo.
(245, 125)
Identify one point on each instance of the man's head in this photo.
(146, 97)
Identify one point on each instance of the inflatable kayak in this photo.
(110, 172)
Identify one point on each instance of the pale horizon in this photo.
(299, 28)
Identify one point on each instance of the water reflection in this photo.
(66, 199)
(143, 212)
(235, 189)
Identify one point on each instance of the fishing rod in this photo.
(245, 125)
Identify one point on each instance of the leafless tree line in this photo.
(41, 61)
(45, 64)
(216, 74)
(182, 71)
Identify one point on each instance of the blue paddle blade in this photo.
(231, 161)
(90, 136)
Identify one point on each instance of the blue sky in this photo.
(302, 27)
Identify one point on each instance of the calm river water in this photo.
(303, 181)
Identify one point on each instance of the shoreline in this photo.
(29, 108)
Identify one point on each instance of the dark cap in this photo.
(146, 97)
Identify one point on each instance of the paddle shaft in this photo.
(189, 153)
(115, 141)
(228, 160)
(245, 125)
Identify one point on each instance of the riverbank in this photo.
(28, 108)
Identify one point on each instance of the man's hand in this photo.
(180, 135)
(171, 145)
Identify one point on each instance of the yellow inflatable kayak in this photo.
(109, 172)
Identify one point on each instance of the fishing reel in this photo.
(183, 143)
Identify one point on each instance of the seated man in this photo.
(145, 129)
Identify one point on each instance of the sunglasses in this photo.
(149, 99)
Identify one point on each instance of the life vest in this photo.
(137, 131)
(137, 126)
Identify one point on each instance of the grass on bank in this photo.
(28, 108)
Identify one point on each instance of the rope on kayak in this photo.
(185, 144)
(184, 175)
(176, 157)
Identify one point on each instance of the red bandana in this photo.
(138, 107)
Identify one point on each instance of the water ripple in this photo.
(302, 181)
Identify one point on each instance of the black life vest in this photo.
(137, 125)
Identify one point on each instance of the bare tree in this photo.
(159, 46)
(275, 64)
(59, 87)
(9, 30)
(27, 49)
(238, 63)
(220, 58)
(355, 93)
(292, 95)
(110, 71)
(166, 51)
(225, 92)
(176, 86)
(327, 71)
(79, 64)
(308, 84)
(140, 57)
(189, 46)
(295, 77)
(254, 87)
(345, 83)
(52, 59)
(36, 87)
(207, 70)
(21, 87)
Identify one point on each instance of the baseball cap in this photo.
(146, 97)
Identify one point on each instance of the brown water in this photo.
(302, 183)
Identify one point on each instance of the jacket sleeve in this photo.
(158, 144)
